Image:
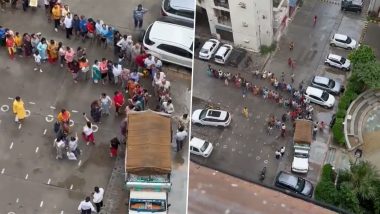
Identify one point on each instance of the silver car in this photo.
(326, 84)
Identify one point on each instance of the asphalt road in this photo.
(244, 148)
(32, 180)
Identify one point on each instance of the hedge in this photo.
(325, 190)
(337, 130)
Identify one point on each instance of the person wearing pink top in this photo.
(103, 69)
(69, 56)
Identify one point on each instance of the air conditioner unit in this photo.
(242, 5)
(245, 24)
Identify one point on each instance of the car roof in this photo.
(172, 34)
(182, 5)
(208, 44)
(314, 91)
(197, 142)
(223, 49)
(320, 79)
(287, 178)
(340, 36)
(334, 56)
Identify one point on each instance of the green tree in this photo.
(363, 178)
(369, 74)
(348, 200)
(362, 55)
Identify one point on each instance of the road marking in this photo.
(19, 126)
(4, 108)
(283, 205)
(234, 185)
(266, 161)
(10, 98)
(45, 131)
(74, 111)
(11, 146)
(52, 107)
(80, 161)
(264, 202)
(72, 186)
(26, 176)
(42, 203)
(17, 200)
(32, 103)
(71, 123)
(49, 118)
(62, 212)
(258, 158)
(2, 171)
(49, 181)
(37, 149)
(27, 113)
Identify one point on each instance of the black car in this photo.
(294, 183)
(352, 5)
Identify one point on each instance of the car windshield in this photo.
(325, 96)
(146, 205)
(348, 40)
(342, 60)
(205, 146)
(331, 84)
(203, 114)
(218, 57)
(204, 50)
(300, 185)
(301, 155)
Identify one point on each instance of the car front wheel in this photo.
(332, 44)
(198, 124)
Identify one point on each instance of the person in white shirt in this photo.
(59, 145)
(86, 207)
(37, 60)
(165, 84)
(68, 23)
(180, 137)
(98, 198)
(88, 133)
(73, 145)
(168, 107)
(122, 43)
(149, 61)
(116, 70)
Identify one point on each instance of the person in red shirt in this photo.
(90, 29)
(118, 101)
(10, 43)
(140, 60)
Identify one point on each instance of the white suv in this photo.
(179, 9)
(338, 62)
(320, 97)
(343, 41)
(200, 147)
(208, 49)
(223, 53)
(170, 42)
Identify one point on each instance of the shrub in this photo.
(327, 173)
(337, 130)
(264, 49)
(344, 102)
(341, 113)
(325, 191)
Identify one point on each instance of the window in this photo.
(195, 149)
(226, 53)
(184, 13)
(175, 50)
(147, 34)
(205, 146)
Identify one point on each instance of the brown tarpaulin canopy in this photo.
(302, 133)
(148, 144)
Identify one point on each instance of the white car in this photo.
(300, 162)
(211, 117)
(223, 53)
(208, 49)
(200, 147)
(337, 61)
(320, 97)
(343, 41)
(179, 9)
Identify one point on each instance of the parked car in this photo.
(208, 49)
(294, 183)
(337, 61)
(178, 49)
(352, 5)
(200, 147)
(320, 97)
(223, 53)
(343, 41)
(327, 84)
(211, 117)
(179, 9)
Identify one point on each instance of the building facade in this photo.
(247, 23)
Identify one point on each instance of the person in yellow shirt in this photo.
(19, 109)
(52, 51)
(56, 16)
(18, 43)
